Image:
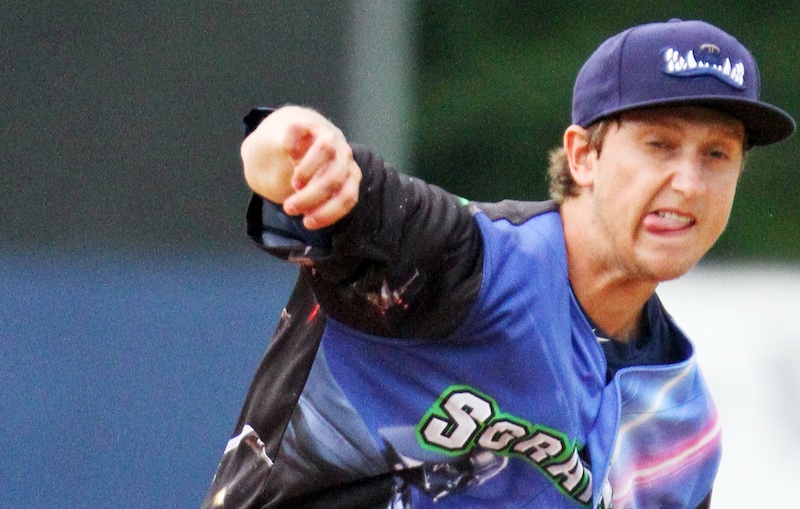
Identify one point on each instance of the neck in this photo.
(613, 298)
(617, 309)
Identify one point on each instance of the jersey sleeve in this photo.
(406, 262)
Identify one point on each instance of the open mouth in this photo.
(662, 221)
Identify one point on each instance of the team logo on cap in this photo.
(709, 62)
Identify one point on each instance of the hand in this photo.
(300, 159)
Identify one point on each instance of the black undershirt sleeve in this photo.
(406, 262)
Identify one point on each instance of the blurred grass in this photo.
(495, 88)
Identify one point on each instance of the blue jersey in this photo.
(498, 394)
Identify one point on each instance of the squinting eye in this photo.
(661, 144)
(718, 154)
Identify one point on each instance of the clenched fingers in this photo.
(337, 205)
(325, 179)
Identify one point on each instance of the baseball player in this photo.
(442, 353)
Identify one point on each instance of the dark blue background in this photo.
(123, 374)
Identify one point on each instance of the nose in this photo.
(688, 178)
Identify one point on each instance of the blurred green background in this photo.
(121, 121)
(495, 87)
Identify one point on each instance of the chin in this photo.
(672, 269)
(664, 266)
(670, 260)
(675, 274)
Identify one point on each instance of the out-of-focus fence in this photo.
(123, 375)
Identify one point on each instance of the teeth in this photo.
(691, 61)
(674, 216)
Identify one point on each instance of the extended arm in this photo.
(394, 256)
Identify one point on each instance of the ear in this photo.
(580, 155)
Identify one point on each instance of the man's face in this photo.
(663, 186)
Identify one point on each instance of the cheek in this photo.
(722, 201)
(622, 195)
(621, 181)
(726, 190)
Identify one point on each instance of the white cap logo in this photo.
(709, 63)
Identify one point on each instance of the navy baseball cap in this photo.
(677, 63)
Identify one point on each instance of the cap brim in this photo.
(764, 123)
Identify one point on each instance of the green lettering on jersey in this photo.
(463, 418)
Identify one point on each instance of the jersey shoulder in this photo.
(514, 211)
